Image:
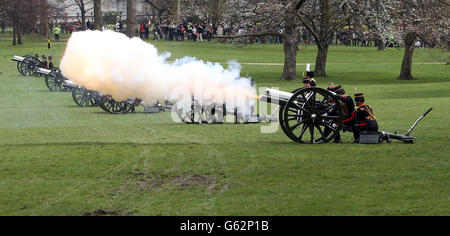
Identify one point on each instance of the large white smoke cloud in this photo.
(114, 64)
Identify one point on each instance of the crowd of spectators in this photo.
(199, 32)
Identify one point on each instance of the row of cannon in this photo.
(308, 115)
(302, 114)
(196, 113)
(29, 66)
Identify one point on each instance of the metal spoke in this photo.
(326, 109)
(324, 99)
(294, 111)
(301, 108)
(311, 132)
(304, 128)
(297, 125)
(327, 125)
(306, 100)
(320, 131)
(313, 99)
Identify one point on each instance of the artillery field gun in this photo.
(309, 108)
(31, 66)
(303, 114)
(27, 65)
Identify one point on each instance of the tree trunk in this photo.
(83, 20)
(405, 73)
(290, 58)
(174, 16)
(153, 15)
(19, 32)
(43, 26)
(323, 41)
(14, 35)
(218, 11)
(131, 19)
(290, 47)
(98, 19)
(321, 60)
(381, 45)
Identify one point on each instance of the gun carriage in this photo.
(31, 66)
(84, 97)
(305, 114)
(80, 95)
(27, 65)
(55, 80)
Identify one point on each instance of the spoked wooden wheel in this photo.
(281, 114)
(31, 64)
(108, 104)
(213, 114)
(54, 81)
(190, 113)
(21, 66)
(312, 116)
(83, 97)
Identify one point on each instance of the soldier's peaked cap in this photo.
(359, 97)
(339, 89)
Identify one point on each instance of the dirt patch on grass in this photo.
(163, 182)
(101, 212)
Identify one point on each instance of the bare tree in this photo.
(217, 11)
(174, 14)
(427, 20)
(205, 10)
(98, 19)
(84, 6)
(161, 6)
(22, 15)
(274, 18)
(131, 19)
(378, 17)
(44, 15)
(322, 18)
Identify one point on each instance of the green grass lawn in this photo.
(59, 159)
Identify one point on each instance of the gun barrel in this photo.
(43, 71)
(69, 83)
(18, 58)
(276, 96)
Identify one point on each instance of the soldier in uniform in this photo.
(309, 80)
(310, 76)
(50, 63)
(44, 62)
(348, 108)
(364, 118)
(306, 82)
(347, 104)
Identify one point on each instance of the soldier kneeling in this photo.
(364, 118)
